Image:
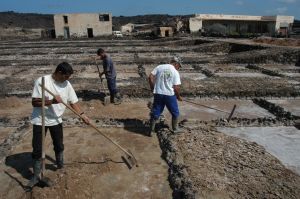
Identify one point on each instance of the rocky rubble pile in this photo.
(278, 111)
(205, 163)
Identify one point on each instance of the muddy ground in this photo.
(202, 162)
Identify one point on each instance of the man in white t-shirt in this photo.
(58, 84)
(164, 81)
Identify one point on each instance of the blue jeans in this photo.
(160, 101)
(111, 85)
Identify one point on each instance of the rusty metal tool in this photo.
(106, 99)
(128, 159)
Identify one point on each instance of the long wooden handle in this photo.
(98, 68)
(199, 104)
(92, 125)
(206, 106)
(43, 127)
(230, 113)
(102, 86)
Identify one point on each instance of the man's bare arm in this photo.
(151, 80)
(37, 102)
(78, 110)
(177, 92)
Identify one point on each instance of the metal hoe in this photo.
(129, 158)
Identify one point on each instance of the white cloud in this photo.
(281, 10)
(287, 1)
(240, 3)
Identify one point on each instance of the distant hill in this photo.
(26, 20)
(32, 20)
(160, 20)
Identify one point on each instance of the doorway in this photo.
(90, 32)
(167, 33)
(66, 33)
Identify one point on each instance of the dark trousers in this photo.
(56, 133)
(112, 86)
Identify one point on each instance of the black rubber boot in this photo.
(152, 127)
(37, 168)
(59, 160)
(112, 98)
(175, 127)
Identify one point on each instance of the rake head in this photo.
(129, 160)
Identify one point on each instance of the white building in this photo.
(82, 25)
(242, 24)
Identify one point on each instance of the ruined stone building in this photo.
(82, 25)
(164, 31)
(127, 28)
(241, 24)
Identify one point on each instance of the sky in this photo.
(142, 7)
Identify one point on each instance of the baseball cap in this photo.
(177, 59)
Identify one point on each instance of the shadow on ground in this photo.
(138, 126)
(22, 162)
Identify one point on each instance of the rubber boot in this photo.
(118, 99)
(175, 127)
(37, 168)
(152, 127)
(112, 98)
(59, 160)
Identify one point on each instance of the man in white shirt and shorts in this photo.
(164, 81)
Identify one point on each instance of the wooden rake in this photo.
(128, 159)
(230, 113)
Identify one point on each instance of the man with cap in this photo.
(164, 81)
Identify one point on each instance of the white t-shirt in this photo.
(54, 112)
(166, 76)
